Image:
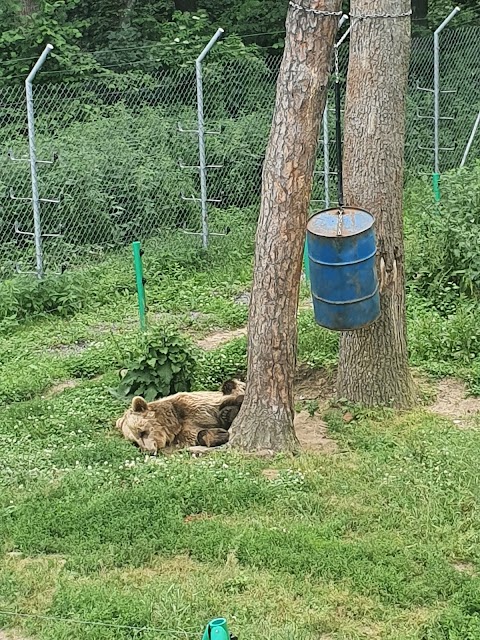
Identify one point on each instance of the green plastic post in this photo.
(216, 629)
(436, 186)
(137, 261)
(306, 265)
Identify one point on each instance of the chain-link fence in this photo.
(126, 151)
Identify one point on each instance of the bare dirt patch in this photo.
(453, 402)
(197, 516)
(312, 433)
(218, 338)
(305, 304)
(314, 384)
(463, 567)
(59, 388)
(70, 349)
(11, 636)
(270, 474)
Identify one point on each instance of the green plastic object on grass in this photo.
(216, 629)
(140, 280)
(436, 186)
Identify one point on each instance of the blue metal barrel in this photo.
(342, 269)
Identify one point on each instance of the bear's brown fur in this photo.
(183, 419)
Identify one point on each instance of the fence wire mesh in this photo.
(127, 151)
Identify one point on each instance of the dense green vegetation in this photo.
(104, 36)
(119, 174)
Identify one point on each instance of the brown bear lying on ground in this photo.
(184, 419)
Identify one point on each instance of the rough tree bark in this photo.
(373, 364)
(266, 418)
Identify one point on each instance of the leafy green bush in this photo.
(443, 343)
(164, 365)
(28, 297)
(140, 196)
(443, 240)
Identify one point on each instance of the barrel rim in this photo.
(347, 211)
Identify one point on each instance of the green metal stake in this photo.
(216, 629)
(436, 186)
(137, 261)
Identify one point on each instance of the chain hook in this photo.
(340, 220)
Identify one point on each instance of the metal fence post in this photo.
(201, 136)
(470, 140)
(33, 159)
(436, 97)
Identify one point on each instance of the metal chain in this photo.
(340, 220)
(299, 7)
(360, 16)
(339, 150)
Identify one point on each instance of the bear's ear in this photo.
(139, 405)
(228, 387)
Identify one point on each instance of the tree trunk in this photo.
(266, 418)
(373, 364)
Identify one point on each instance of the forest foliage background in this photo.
(104, 36)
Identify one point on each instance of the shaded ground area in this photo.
(314, 389)
(312, 434)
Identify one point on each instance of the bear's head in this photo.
(138, 426)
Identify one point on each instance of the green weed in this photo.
(163, 365)
(214, 367)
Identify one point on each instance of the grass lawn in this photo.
(377, 539)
